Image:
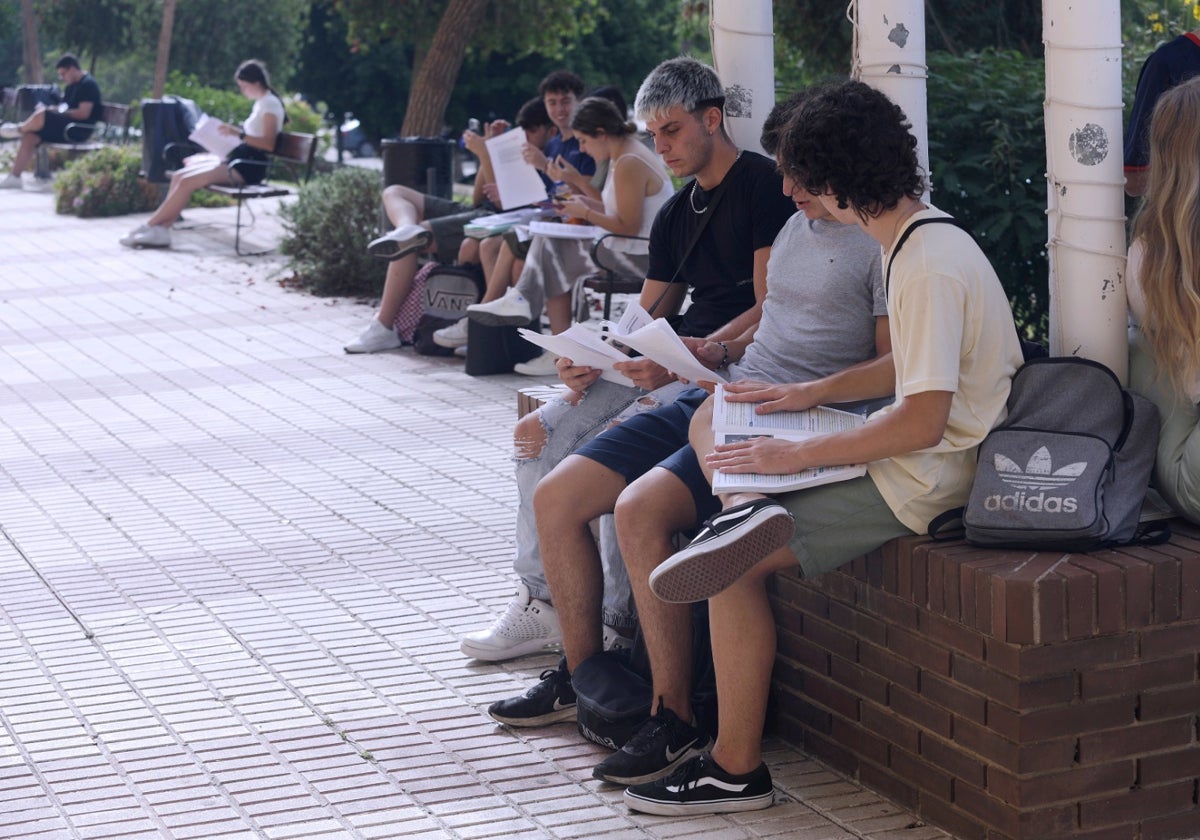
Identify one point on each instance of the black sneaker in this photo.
(727, 547)
(701, 787)
(550, 701)
(659, 746)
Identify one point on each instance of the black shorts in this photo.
(54, 129)
(253, 168)
(657, 438)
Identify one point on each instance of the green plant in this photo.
(987, 153)
(104, 183)
(327, 230)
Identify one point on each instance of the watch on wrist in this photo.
(241, 135)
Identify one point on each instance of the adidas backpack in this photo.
(1068, 468)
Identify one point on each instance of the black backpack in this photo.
(446, 293)
(1068, 468)
(166, 124)
(614, 694)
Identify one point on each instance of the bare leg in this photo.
(468, 251)
(701, 437)
(573, 494)
(25, 151)
(743, 645)
(396, 287)
(183, 184)
(648, 513)
(403, 205)
(559, 310)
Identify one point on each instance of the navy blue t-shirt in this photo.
(1174, 62)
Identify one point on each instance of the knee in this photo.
(552, 499)
(529, 437)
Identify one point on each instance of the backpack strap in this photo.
(1152, 533)
(947, 525)
(950, 220)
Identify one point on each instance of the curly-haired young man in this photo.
(954, 349)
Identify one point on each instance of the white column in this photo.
(743, 48)
(1086, 211)
(889, 55)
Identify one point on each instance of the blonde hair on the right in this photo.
(1168, 225)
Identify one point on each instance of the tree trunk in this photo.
(435, 79)
(31, 55)
(164, 48)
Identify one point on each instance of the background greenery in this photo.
(985, 85)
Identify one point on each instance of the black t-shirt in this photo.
(85, 90)
(1171, 64)
(720, 269)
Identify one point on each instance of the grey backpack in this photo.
(1068, 468)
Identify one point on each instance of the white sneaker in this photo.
(452, 336)
(542, 365)
(461, 352)
(400, 242)
(512, 310)
(375, 338)
(527, 626)
(148, 236)
(12, 182)
(10, 131)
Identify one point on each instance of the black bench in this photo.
(112, 127)
(293, 156)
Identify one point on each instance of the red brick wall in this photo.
(1004, 694)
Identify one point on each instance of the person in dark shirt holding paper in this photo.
(1175, 61)
(714, 236)
(70, 121)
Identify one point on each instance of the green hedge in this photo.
(104, 183)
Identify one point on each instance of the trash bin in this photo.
(422, 163)
(165, 122)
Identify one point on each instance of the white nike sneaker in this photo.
(540, 365)
(527, 626)
(452, 336)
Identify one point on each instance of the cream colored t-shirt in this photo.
(952, 330)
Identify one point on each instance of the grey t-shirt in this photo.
(824, 291)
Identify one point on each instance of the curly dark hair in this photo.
(777, 121)
(849, 138)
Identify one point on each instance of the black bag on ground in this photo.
(614, 695)
(448, 291)
(1069, 467)
(166, 124)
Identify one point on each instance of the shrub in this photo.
(327, 230)
(104, 183)
(987, 150)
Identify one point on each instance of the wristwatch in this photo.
(241, 135)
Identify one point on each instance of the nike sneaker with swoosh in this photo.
(701, 786)
(659, 745)
(552, 700)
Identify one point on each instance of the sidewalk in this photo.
(235, 563)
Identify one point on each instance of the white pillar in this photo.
(889, 55)
(743, 48)
(1086, 211)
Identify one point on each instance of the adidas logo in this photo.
(1038, 476)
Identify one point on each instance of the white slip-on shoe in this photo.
(400, 242)
(540, 365)
(12, 182)
(512, 310)
(527, 626)
(374, 339)
(10, 131)
(452, 336)
(148, 236)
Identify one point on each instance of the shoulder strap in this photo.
(713, 201)
(887, 275)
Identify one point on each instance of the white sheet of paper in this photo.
(558, 230)
(659, 343)
(517, 182)
(207, 133)
(583, 347)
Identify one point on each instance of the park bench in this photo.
(293, 156)
(608, 280)
(112, 127)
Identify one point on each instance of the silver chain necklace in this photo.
(692, 194)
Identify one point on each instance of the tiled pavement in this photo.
(234, 563)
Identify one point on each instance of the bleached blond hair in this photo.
(679, 81)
